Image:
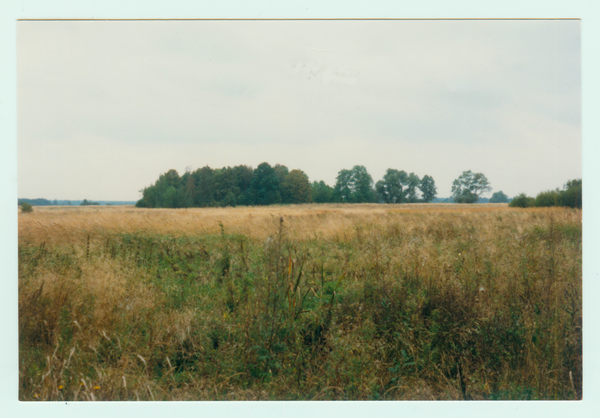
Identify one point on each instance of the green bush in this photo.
(522, 201)
(26, 208)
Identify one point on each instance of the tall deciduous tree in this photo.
(204, 193)
(226, 191)
(243, 181)
(354, 186)
(296, 188)
(428, 188)
(391, 188)
(265, 185)
(469, 186)
(282, 172)
(412, 183)
(499, 197)
(321, 192)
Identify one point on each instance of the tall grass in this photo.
(300, 302)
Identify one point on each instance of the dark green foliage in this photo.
(201, 187)
(282, 172)
(428, 188)
(354, 186)
(466, 196)
(225, 188)
(570, 196)
(265, 185)
(499, 197)
(296, 188)
(469, 186)
(26, 208)
(391, 188)
(321, 192)
(549, 198)
(522, 201)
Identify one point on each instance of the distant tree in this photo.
(499, 197)
(390, 188)
(89, 203)
(243, 182)
(226, 191)
(296, 188)
(522, 201)
(265, 185)
(26, 208)
(572, 194)
(354, 186)
(204, 190)
(343, 186)
(321, 192)
(282, 172)
(363, 183)
(189, 189)
(150, 198)
(412, 182)
(469, 186)
(428, 188)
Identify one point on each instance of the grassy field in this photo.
(310, 302)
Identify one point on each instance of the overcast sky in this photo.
(105, 107)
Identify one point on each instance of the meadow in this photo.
(300, 302)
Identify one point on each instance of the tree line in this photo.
(569, 196)
(266, 185)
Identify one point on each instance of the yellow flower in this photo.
(96, 387)
(60, 387)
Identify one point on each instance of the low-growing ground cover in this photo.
(308, 302)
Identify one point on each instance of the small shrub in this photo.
(26, 208)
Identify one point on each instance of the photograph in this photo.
(299, 209)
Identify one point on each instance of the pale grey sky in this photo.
(105, 107)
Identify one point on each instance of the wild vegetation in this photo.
(302, 302)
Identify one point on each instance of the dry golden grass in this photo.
(112, 307)
(68, 224)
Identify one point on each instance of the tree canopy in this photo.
(354, 186)
(428, 188)
(469, 186)
(499, 197)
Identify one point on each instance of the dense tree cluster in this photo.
(570, 196)
(469, 186)
(228, 186)
(267, 185)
